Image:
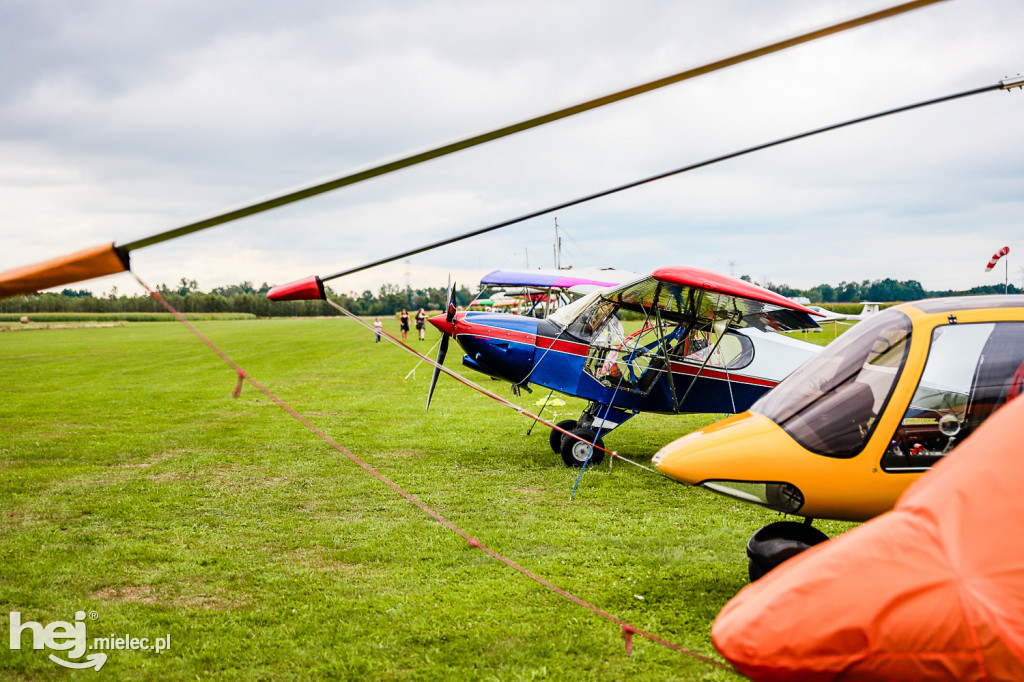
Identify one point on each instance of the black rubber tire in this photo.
(754, 570)
(556, 436)
(777, 542)
(575, 452)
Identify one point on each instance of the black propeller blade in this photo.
(443, 349)
(451, 310)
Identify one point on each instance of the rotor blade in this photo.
(465, 143)
(441, 352)
(74, 267)
(1006, 84)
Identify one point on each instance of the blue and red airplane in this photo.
(703, 342)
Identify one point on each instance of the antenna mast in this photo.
(558, 247)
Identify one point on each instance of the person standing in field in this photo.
(404, 320)
(378, 327)
(421, 323)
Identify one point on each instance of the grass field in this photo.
(135, 488)
(32, 321)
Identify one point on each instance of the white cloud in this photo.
(127, 119)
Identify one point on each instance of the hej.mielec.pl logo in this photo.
(71, 637)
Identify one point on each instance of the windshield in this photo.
(568, 313)
(831, 404)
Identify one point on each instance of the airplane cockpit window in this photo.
(635, 362)
(971, 370)
(599, 318)
(831, 404)
(735, 351)
(568, 314)
(608, 330)
(642, 295)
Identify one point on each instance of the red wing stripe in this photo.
(708, 373)
(464, 328)
(570, 347)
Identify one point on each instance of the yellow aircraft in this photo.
(848, 431)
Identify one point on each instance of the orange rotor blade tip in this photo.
(307, 289)
(97, 261)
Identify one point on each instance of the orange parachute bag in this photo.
(933, 589)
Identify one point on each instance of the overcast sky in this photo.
(121, 119)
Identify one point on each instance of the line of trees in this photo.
(390, 298)
(237, 298)
(882, 290)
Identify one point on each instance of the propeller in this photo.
(446, 334)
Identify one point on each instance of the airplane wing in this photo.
(697, 296)
(826, 314)
(558, 279)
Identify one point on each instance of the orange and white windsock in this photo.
(996, 256)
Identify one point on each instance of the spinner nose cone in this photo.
(442, 323)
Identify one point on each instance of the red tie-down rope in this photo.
(628, 631)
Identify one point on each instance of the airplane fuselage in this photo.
(526, 350)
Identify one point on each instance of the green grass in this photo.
(134, 486)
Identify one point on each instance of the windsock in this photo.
(996, 256)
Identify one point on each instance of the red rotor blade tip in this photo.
(308, 289)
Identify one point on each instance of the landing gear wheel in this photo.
(575, 452)
(776, 542)
(556, 436)
(754, 570)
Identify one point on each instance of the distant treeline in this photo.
(238, 298)
(881, 290)
(390, 299)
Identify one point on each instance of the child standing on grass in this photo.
(378, 327)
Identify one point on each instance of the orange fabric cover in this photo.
(81, 265)
(932, 589)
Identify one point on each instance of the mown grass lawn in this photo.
(133, 486)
